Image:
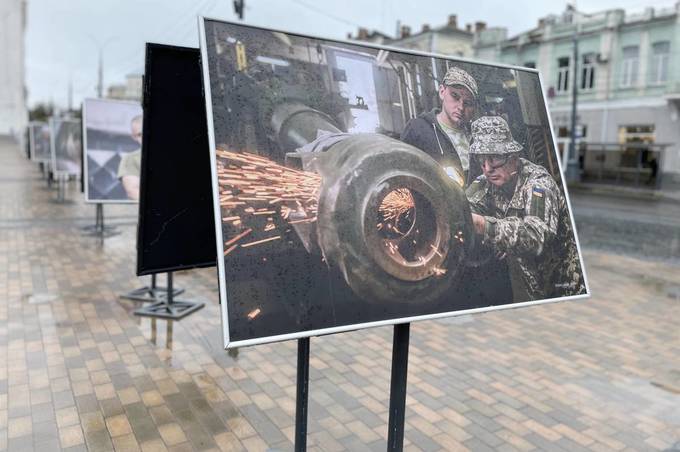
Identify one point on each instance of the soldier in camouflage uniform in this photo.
(520, 211)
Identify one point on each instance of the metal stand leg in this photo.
(169, 308)
(302, 395)
(61, 189)
(160, 291)
(97, 220)
(150, 293)
(395, 432)
(99, 229)
(61, 180)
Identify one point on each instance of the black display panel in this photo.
(176, 229)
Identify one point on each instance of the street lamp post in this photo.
(100, 66)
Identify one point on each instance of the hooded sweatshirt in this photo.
(425, 133)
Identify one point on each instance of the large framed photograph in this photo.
(39, 141)
(358, 185)
(65, 146)
(112, 133)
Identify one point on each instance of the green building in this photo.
(627, 76)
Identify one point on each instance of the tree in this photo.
(41, 112)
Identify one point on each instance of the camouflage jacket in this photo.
(532, 226)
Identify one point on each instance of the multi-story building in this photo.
(447, 39)
(628, 85)
(131, 90)
(13, 111)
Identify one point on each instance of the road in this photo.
(641, 227)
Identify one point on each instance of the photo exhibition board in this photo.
(112, 133)
(66, 146)
(358, 185)
(176, 229)
(39, 141)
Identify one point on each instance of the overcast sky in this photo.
(63, 38)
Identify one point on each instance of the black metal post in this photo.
(573, 170)
(395, 432)
(302, 395)
(102, 227)
(98, 219)
(61, 197)
(169, 292)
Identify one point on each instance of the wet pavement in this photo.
(78, 371)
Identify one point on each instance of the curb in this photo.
(626, 192)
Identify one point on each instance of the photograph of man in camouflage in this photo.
(520, 211)
(341, 174)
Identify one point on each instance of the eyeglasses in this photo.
(493, 161)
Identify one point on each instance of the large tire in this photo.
(415, 260)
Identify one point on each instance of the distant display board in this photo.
(113, 135)
(358, 185)
(66, 146)
(39, 141)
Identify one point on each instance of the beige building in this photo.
(130, 90)
(447, 39)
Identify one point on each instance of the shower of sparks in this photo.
(260, 198)
(254, 313)
(396, 204)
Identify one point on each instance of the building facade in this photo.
(13, 111)
(627, 76)
(130, 90)
(447, 39)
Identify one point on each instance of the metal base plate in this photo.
(148, 294)
(174, 311)
(96, 227)
(108, 232)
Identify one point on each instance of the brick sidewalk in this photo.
(81, 372)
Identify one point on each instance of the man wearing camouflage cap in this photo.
(444, 133)
(519, 210)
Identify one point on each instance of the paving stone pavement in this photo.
(80, 372)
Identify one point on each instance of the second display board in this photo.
(112, 132)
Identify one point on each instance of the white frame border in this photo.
(344, 328)
(84, 132)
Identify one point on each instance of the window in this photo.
(629, 68)
(530, 64)
(588, 71)
(658, 72)
(562, 74)
(565, 131)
